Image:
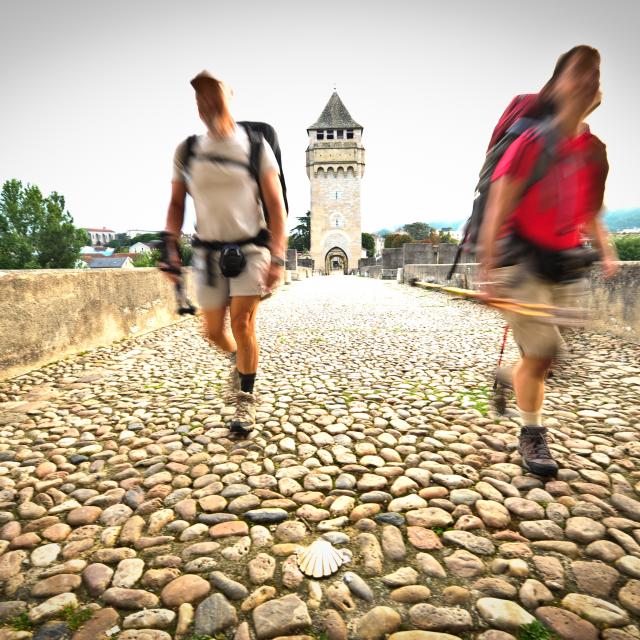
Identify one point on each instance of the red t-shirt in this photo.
(553, 211)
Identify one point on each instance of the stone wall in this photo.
(392, 258)
(614, 303)
(46, 315)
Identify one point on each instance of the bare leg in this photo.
(528, 382)
(215, 330)
(243, 325)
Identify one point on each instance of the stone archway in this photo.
(336, 261)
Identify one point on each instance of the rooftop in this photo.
(335, 116)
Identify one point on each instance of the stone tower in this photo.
(335, 166)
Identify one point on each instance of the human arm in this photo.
(274, 204)
(503, 197)
(173, 224)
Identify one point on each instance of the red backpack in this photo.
(523, 113)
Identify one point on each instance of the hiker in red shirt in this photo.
(546, 194)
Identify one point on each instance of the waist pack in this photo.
(232, 260)
(564, 265)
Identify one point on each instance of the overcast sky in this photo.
(95, 95)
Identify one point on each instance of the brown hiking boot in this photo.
(535, 453)
(245, 419)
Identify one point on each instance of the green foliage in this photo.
(535, 631)
(75, 618)
(147, 259)
(628, 247)
(186, 253)
(21, 622)
(395, 240)
(144, 237)
(417, 230)
(300, 236)
(369, 243)
(121, 240)
(36, 232)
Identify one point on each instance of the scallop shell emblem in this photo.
(321, 559)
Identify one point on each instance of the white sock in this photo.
(531, 418)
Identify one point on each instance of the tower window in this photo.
(330, 134)
(340, 134)
(319, 135)
(349, 134)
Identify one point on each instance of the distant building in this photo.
(101, 236)
(111, 263)
(132, 233)
(379, 246)
(139, 247)
(335, 166)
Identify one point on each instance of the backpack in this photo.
(256, 132)
(520, 116)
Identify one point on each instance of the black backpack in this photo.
(256, 132)
(471, 234)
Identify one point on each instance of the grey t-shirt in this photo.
(226, 197)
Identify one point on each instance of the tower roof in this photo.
(335, 116)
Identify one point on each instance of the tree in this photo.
(369, 243)
(147, 259)
(417, 230)
(395, 240)
(121, 240)
(628, 247)
(300, 236)
(146, 238)
(37, 232)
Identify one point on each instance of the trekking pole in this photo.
(185, 307)
(499, 398)
(504, 344)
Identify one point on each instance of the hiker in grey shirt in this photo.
(229, 203)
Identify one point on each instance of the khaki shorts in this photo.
(535, 338)
(249, 283)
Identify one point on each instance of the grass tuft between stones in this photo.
(21, 622)
(535, 631)
(75, 618)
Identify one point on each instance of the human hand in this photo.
(274, 276)
(610, 267)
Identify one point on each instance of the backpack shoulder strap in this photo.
(189, 151)
(255, 153)
(269, 134)
(255, 148)
(547, 135)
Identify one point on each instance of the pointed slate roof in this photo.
(335, 116)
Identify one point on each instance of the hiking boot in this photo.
(535, 453)
(245, 419)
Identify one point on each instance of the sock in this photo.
(246, 381)
(531, 418)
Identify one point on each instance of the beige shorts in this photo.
(249, 283)
(536, 338)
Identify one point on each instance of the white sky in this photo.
(95, 96)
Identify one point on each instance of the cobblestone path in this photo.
(125, 510)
